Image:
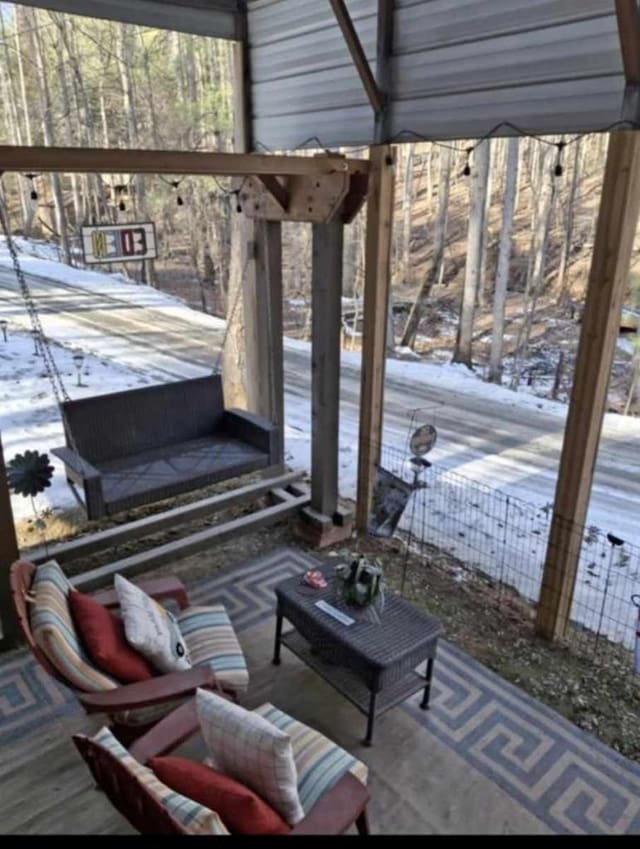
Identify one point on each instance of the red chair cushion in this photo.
(102, 635)
(239, 808)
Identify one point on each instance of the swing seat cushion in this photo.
(163, 472)
(136, 447)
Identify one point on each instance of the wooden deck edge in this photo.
(82, 547)
(176, 549)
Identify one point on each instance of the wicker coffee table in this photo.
(371, 662)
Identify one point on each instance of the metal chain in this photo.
(51, 368)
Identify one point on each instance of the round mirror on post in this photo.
(423, 440)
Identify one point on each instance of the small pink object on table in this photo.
(314, 578)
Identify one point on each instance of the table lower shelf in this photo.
(346, 682)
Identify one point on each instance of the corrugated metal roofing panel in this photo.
(423, 24)
(459, 67)
(214, 18)
(569, 51)
(556, 107)
(303, 74)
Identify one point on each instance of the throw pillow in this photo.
(252, 750)
(150, 628)
(102, 635)
(241, 810)
(193, 817)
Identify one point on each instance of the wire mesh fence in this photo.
(502, 540)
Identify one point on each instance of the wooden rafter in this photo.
(68, 160)
(275, 188)
(628, 15)
(357, 54)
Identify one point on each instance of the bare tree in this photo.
(475, 237)
(538, 253)
(504, 259)
(434, 274)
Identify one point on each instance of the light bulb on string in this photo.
(175, 184)
(34, 193)
(559, 170)
(467, 166)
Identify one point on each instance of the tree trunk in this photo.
(484, 254)
(407, 213)
(504, 258)
(46, 107)
(635, 374)
(439, 241)
(535, 284)
(475, 236)
(562, 281)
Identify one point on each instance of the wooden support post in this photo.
(326, 314)
(263, 325)
(608, 280)
(9, 552)
(377, 281)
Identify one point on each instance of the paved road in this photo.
(503, 445)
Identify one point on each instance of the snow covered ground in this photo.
(458, 518)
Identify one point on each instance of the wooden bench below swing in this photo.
(127, 449)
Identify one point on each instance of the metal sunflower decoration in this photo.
(29, 474)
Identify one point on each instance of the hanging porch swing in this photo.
(133, 448)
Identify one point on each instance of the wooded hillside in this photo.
(491, 250)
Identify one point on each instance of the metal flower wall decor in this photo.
(29, 474)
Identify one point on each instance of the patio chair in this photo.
(218, 660)
(337, 808)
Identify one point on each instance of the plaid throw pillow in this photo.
(252, 750)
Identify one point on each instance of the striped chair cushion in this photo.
(191, 816)
(54, 632)
(211, 641)
(320, 763)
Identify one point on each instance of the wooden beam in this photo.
(628, 15)
(263, 325)
(9, 552)
(276, 189)
(608, 281)
(171, 551)
(89, 544)
(326, 294)
(383, 66)
(377, 282)
(357, 54)
(77, 160)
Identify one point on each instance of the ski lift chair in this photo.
(127, 449)
(218, 660)
(331, 783)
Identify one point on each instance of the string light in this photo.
(176, 185)
(34, 193)
(467, 165)
(559, 170)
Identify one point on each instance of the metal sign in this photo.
(118, 242)
(390, 496)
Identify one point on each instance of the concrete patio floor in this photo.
(486, 759)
